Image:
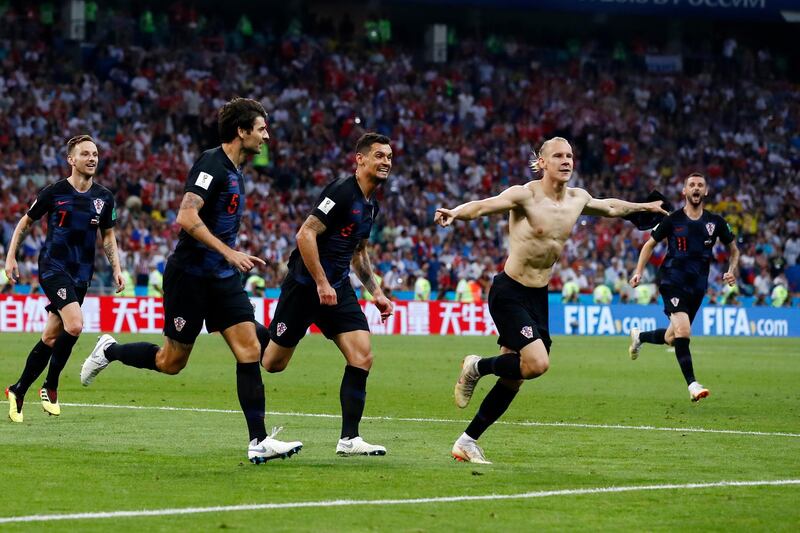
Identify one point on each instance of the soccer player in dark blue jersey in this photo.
(317, 288)
(691, 233)
(76, 208)
(202, 277)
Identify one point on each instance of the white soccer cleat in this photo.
(467, 380)
(636, 344)
(697, 392)
(469, 452)
(96, 361)
(357, 446)
(270, 448)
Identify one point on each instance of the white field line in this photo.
(410, 501)
(449, 420)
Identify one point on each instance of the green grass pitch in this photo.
(95, 458)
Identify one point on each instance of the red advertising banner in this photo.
(115, 314)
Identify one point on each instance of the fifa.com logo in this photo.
(599, 320)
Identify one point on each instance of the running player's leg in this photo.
(34, 366)
(293, 315)
(38, 357)
(534, 362)
(521, 317)
(232, 314)
(682, 326)
(72, 320)
(185, 308)
(244, 344)
(357, 350)
(242, 340)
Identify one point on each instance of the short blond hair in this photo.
(75, 141)
(534, 160)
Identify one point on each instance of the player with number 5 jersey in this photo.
(202, 278)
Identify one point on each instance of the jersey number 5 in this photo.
(233, 206)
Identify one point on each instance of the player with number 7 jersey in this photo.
(76, 208)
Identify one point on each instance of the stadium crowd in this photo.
(461, 130)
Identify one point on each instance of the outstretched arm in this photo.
(363, 269)
(110, 249)
(613, 207)
(644, 257)
(502, 203)
(189, 219)
(12, 269)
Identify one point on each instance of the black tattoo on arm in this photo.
(24, 226)
(111, 254)
(315, 224)
(194, 228)
(192, 201)
(363, 268)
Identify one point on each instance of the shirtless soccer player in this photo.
(541, 216)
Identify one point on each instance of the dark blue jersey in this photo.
(690, 248)
(348, 218)
(220, 184)
(73, 219)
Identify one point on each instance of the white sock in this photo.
(465, 439)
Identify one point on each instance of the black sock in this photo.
(653, 337)
(136, 354)
(62, 349)
(262, 332)
(353, 396)
(250, 390)
(492, 407)
(34, 366)
(684, 357)
(504, 366)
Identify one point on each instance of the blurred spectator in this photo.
(422, 287)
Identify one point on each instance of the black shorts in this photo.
(189, 300)
(61, 290)
(678, 301)
(520, 313)
(299, 307)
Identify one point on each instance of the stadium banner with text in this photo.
(115, 314)
(774, 10)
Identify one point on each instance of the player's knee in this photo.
(49, 340)
(683, 331)
(361, 360)
(168, 363)
(274, 366)
(249, 354)
(74, 328)
(534, 368)
(171, 367)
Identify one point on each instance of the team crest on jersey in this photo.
(710, 228)
(675, 302)
(62, 293)
(527, 332)
(98, 205)
(179, 323)
(281, 328)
